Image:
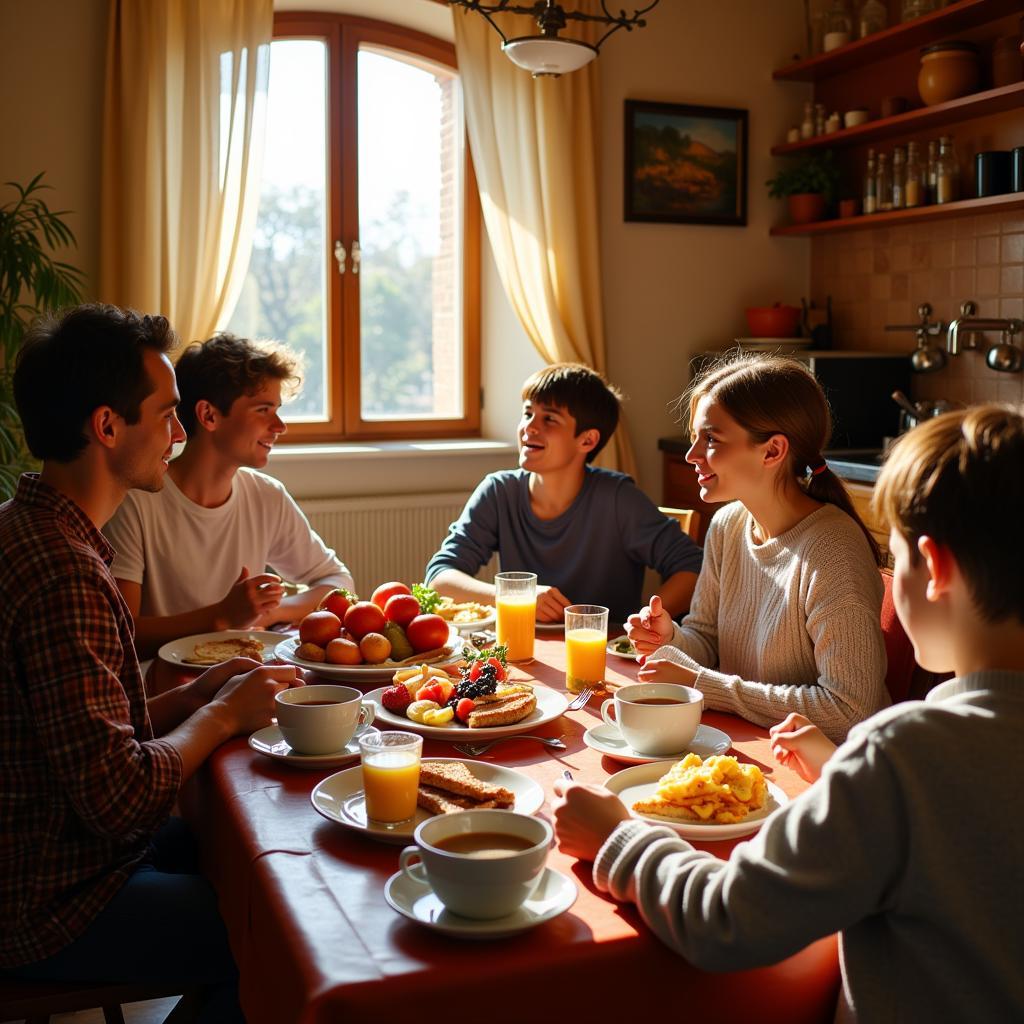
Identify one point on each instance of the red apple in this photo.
(386, 590)
(427, 632)
(364, 617)
(319, 628)
(401, 608)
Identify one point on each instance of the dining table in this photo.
(316, 942)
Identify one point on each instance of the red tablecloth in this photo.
(315, 940)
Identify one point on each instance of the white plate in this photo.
(550, 705)
(610, 648)
(285, 650)
(465, 628)
(606, 739)
(340, 798)
(176, 651)
(271, 743)
(415, 900)
(640, 782)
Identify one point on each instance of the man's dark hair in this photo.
(583, 393)
(225, 367)
(73, 362)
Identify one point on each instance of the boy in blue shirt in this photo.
(587, 533)
(910, 842)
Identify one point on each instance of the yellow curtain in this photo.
(184, 117)
(535, 150)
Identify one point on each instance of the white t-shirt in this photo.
(187, 557)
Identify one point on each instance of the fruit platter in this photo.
(480, 701)
(349, 639)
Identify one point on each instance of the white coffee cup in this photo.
(472, 885)
(321, 718)
(665, 727)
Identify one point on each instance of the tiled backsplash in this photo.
(880, 276)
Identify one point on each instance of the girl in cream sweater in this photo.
(786, 614)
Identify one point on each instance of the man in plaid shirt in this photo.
(95, 884)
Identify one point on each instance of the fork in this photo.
(580, 700)
(479, 748)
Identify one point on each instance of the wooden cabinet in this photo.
(862, 73)
(860, 495)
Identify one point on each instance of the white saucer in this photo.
(271, 743)
(555, 894)
(606, 739)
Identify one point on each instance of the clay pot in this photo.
(776, 321)
(806, 207)
(948, 71)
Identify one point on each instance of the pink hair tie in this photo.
(820, 468)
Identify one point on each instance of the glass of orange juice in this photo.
(391, 776)
(586, 639)
(516, 601)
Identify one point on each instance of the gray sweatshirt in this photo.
(911, 844)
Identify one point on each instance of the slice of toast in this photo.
(454, 777)
(213, 652)
(507, 711)
(438, 802)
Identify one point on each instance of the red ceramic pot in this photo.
(776, 321)
(806, 207)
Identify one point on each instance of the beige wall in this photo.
(671, 290)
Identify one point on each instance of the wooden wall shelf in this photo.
(961, 15)
(990, 204)
(979, 104)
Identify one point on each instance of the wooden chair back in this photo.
(687, 518)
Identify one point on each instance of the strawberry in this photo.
(432, 692)
(396, 699)
(499, 669)
(463, 709)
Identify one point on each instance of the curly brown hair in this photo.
(223, 368)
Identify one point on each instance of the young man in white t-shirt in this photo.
(192, 558)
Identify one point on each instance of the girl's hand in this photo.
(661, 670)
(585, 816)
(650, 628)
(801, 745)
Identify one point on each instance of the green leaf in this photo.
(428, 598)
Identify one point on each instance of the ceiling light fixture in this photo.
(548, 54)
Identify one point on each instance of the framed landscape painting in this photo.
(685, 164)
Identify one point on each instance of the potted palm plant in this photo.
(31, 282)
(808, 185)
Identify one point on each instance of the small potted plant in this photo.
(808, 185)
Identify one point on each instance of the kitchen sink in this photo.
(855, 463)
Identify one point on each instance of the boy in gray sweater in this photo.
(910, 842)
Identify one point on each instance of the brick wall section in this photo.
(446, 344)
(880, 275)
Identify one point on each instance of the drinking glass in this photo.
(586, 637)
(516, 601)
(391, 776)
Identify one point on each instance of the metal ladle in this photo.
(1005, 357)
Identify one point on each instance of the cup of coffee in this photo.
(320, 719)
(480, 864)
(655, 718)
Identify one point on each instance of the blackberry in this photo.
(485, 683)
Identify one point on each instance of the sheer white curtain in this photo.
(535, 150)
(184, 117)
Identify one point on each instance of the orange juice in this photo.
(584, 659)
(516, 618)
(390, 780)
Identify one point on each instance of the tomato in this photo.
(401, 608)
(364, 617)
(478, 667)
(319, 628)
(386, 590)
(338, 602)
(427, 632)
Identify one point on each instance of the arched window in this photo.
(366, 254)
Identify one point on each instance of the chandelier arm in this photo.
(622, 19)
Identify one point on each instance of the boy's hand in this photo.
(801, 745)
(661, 670)
(206, 686)
(650, 628)
(585, 816)
(249, 598)
(551, 604)
(247, 700)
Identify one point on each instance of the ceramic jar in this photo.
(948, 71)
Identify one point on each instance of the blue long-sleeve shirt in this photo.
(595, 552)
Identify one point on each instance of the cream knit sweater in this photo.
(792, 624)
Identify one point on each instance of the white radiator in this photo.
(389, 537)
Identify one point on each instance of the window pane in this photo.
(410, 231)
(284, 295)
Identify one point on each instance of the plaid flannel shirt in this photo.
(83, 783)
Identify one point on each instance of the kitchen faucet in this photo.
(1010, 325)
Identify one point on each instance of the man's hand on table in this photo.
(246, 698)
(585, 816)
(650, 628)
(551, 604)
